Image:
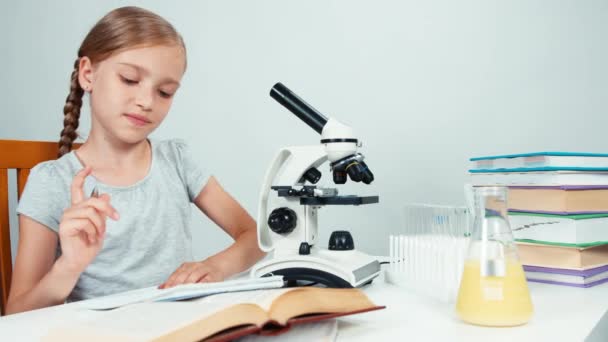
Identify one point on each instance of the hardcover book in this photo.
(221, 317)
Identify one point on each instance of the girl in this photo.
(113, 215)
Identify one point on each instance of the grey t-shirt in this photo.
(152, 237)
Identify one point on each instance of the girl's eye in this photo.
(164, 94)
(128, 81)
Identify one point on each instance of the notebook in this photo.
(180, 292)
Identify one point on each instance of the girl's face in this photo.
(132, 91)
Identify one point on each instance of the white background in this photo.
(426, 84)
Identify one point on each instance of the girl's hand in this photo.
(83, 226)
(194, 272)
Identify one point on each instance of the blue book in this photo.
(540, 161)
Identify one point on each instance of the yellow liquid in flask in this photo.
(492, 300)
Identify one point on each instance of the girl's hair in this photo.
(122, 29)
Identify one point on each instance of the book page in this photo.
(305, 300)
(262, 298)
(150, 320)
(137, 322)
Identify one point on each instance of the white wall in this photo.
(426, 84)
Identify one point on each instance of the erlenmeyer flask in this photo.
(493, 289)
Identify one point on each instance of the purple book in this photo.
(559, 276)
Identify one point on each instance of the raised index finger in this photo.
(78, 184)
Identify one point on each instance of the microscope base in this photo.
(329, 268)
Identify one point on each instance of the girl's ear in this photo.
(85, 73)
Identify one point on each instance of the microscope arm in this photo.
(293, 162)
(264, 239)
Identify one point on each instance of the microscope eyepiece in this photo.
(351, 166)
(296, 105)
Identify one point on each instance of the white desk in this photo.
(561, 314)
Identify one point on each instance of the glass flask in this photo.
(493, 289)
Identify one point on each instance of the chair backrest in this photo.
(21, 156)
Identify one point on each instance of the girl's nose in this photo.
(144, 98)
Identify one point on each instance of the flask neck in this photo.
(491, 202)
(492, 237)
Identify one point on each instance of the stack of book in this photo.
(558, 211)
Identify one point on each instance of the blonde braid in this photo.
(71, 112)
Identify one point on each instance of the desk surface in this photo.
(561, 314)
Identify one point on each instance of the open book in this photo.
(215, 318)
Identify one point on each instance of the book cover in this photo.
(590, 229)
(557, 160)
(559, 276)
(572, 258)
(322, 331)
(561, 200)
(541, 169)
(537, 178)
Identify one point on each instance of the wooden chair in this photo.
(21, 156)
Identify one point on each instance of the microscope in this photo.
(287, 223)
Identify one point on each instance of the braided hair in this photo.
(71, 112)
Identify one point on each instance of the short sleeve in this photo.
(43, 197)
(194, 176)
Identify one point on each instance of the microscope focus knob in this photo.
(282, 220)
(341, 240)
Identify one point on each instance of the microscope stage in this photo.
(339, 200)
